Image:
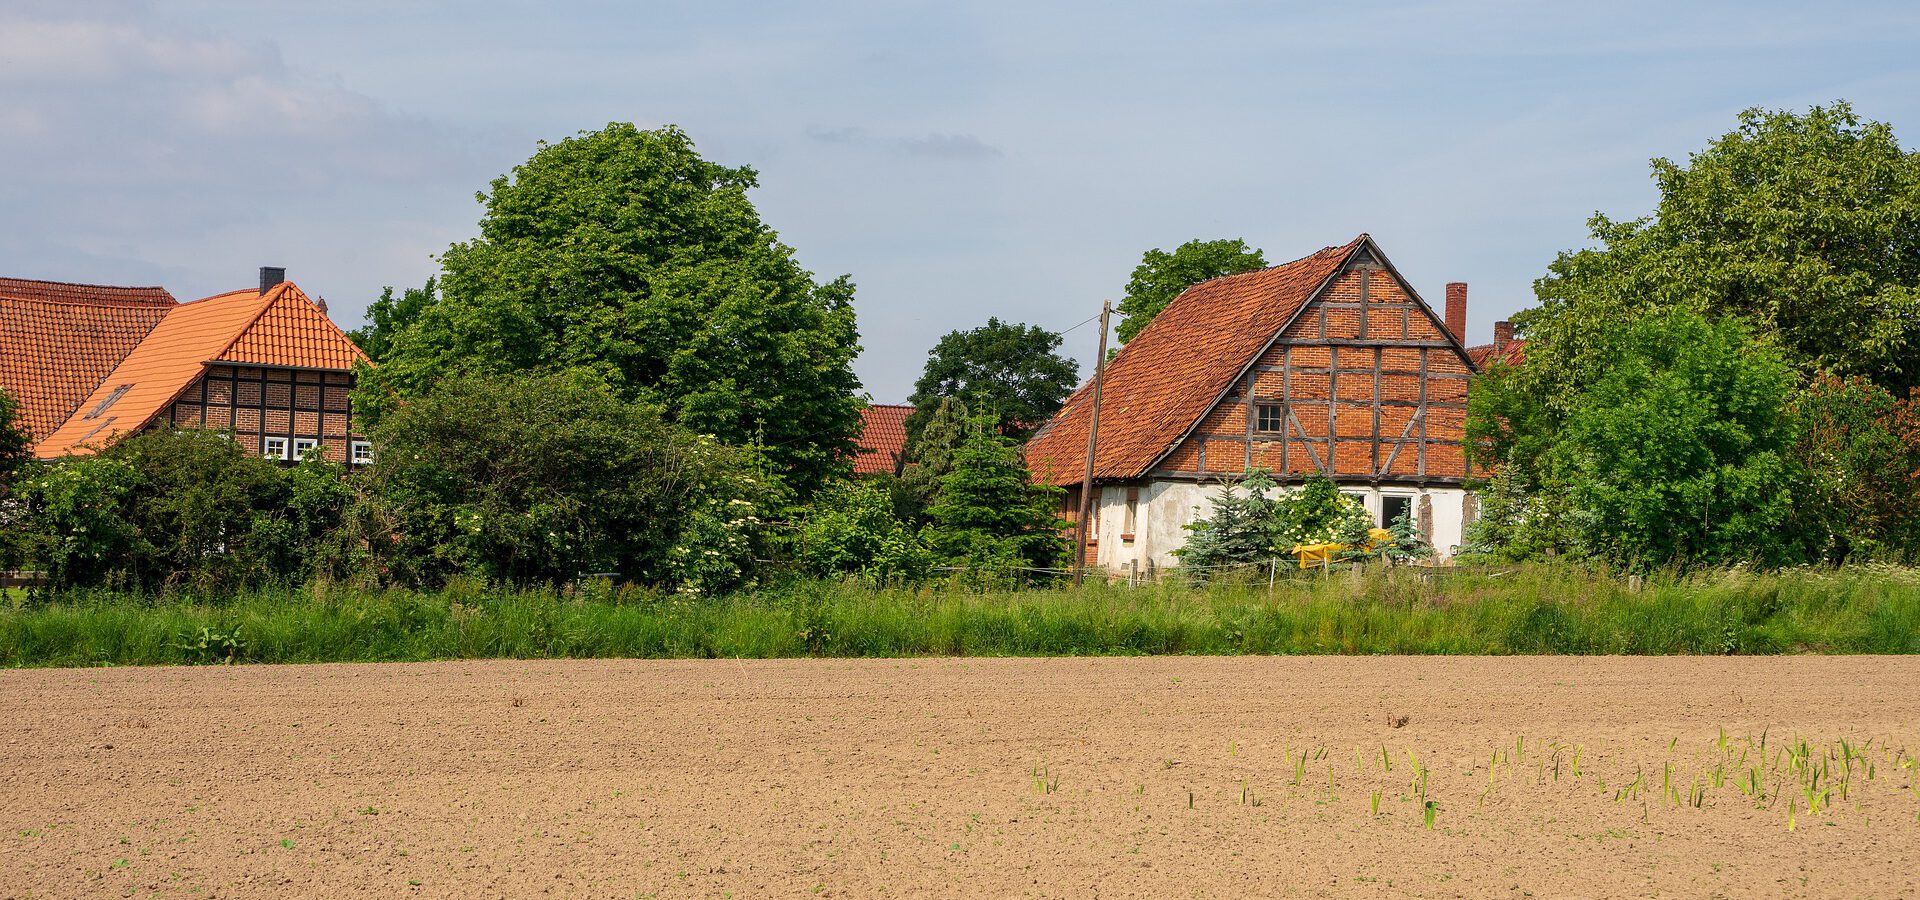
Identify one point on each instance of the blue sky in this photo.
(959, 160)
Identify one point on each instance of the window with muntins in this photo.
(302, 445)
(362, 453)
(274, 448)
(1272, 417)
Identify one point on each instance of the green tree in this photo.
(1161, 276)
(623, 256)
(1253, 522)
(543, 479)
(989, 512)
(390, 315)
(850, 529)
(930, 457)
(1675, 453)
(1857, 449)
(1805, 226)
(1002, 369)
(13, 443)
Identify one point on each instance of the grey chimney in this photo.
(270, 276)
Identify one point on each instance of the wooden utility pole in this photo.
(1093, 441)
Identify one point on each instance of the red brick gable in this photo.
(1369, 382)
(1172, 372)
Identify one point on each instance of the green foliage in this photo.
(622, 257)
(1516, 609)
(989, 513)
(930, 457)
(543, 479)
(1518, 520)
(1161, 276)
(1805, 226)
(1857, 449)
(1254, 521)
(851, 529)
(1676, 452)
(179, 509)
(75, 528)
(388, 316)
(1004, 370)
(13, 443)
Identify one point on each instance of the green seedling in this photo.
(1431, 809)
(1376, 803)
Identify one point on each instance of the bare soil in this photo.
(1163, 777)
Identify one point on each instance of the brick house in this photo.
(1330, 364)
(89, 364)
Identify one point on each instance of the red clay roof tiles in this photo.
(883, 438)
(58, 341)
(1513, 353)
(1168, 376)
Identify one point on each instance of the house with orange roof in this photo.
(90, 364)
(1331, 364)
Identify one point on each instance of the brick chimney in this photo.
(1502, 334)
(1457, 310)
(272, 275)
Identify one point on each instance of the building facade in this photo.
(1331, 365)
(91, 364)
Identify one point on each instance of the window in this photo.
(362, 453)
(1272, 417)
(274, 448)
(302, 445)
(1133, 510)
(1392, 507)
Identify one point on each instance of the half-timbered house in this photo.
(1332, 364)
(90, 364)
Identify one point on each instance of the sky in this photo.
(959, 160)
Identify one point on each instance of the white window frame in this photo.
(1413, 508)
(361, 453)
(301, 446)
(267, 447)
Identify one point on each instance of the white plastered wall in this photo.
(1165, 508)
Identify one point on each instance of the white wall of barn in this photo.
(1164, 508)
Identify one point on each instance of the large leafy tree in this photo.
(1806, 226)
(1676, 452)
(1005, 370)
(1161, 276)
(623, 256)
(390, 315)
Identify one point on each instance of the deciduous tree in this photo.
(623, 256)
(1005, 370)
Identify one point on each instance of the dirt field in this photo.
(1065, 777)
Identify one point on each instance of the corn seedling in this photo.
(1376, 803)
(1430, 809)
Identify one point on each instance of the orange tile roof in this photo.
(1171, 373)
(883, 438)
(244, 327)
(58, 340)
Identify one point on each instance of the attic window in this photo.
(107, 401)
(1271, 417)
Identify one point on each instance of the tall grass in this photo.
(1539, 609)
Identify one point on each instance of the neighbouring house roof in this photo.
(58, 341)
(1164, 380)
(883, 438)
(281, 327)
(1512, 353)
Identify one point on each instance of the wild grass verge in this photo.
(1521, 610)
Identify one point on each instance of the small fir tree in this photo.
(990, 513)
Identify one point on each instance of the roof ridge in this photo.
(85, 301)
(1327, 249)
(82, 284)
